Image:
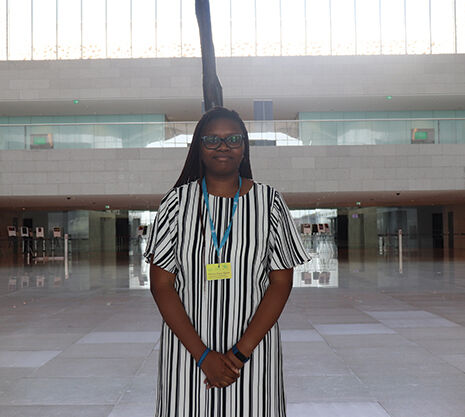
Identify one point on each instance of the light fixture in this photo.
(388, 97)
(76, 101)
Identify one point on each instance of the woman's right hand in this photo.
(219, 370)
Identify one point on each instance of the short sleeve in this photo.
(286, 247)
(163, 235)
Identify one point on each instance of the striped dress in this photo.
(263, 238)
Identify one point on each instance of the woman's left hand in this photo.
(232, 357)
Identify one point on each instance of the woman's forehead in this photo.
(222, 125)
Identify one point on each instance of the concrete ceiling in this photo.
(294, 200)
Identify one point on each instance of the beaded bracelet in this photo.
(204, 355)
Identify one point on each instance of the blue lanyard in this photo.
(212, 226)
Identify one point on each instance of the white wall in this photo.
(292, 170)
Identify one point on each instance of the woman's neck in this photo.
(222, 186)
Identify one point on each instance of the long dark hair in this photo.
(193, 167)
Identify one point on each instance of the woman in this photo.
(222, 250)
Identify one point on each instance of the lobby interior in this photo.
(364, 137)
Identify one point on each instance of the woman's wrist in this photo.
(244, 348)
(197, 350)
(239, 355)
(204, 355)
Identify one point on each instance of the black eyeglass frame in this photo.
(225, 140)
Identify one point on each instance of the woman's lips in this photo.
(222, 158)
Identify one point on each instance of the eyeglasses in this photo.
(214, 142)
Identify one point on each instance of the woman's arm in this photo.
(267, 313)
(218, 369)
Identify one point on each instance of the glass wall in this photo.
(150, 131)
(382, 128)
(73, 29)
(80, 132)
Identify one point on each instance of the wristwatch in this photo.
(239, 355)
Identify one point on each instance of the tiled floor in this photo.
(383, 344)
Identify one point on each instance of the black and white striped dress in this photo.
(263, 238)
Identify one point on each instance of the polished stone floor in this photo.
(383, 342)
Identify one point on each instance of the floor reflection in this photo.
(431, 270)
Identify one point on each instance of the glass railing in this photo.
(261, 133)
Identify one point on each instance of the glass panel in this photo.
(243, 28)
(368, 27)
(93, 29)
(169, 28)
(3, 30)
(69, 29)
(44, 29)
(447, 131)
(342, 27)
(190, 30)
(318, 27)
(119, 29)
(143, 29)
(418, 34)
(19, 30)
(392, 27)
(293, 27)
(220, 11)
(442, 26)
(11, 138)
(268, 27)
(460, 25)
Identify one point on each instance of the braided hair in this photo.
(193, 167)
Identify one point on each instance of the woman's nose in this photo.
(223, 147)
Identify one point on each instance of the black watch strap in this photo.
(239, 355)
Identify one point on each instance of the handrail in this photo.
(245, 121)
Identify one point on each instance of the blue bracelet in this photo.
(204, 355)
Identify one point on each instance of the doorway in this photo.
(450, 227)
(438, 238)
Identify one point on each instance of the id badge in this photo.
(219, 271)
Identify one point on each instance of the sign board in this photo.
(306, 228)
(142, 231)
(57, 232)
(40, 232)
(24, 231)
(41, 141)
(420, 135)
(11, 231)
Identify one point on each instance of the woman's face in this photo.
(222, 161)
